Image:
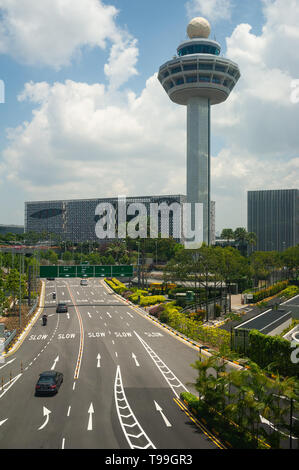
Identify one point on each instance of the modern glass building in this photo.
(75, 220)
(273, 215)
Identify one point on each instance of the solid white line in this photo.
(69, 410)
(63, 442)
(277, 319)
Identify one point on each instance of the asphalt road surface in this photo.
(122, 378)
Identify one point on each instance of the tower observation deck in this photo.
(199, 77)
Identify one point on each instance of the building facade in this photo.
(273, 215)
(75, 220)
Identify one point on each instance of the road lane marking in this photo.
(168, 375)
(89, 314)
(159, 409)
(55, 362)
(135, 359)
(98, 360)
(108, 314)
(90, 412)
(69, 410)
(9, 362)
(46, 413)
(199, 425)
(63, 443)
(4, 421)
(81, 346)
(127, 418)
(130, 314)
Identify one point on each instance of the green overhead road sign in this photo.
(86, 271)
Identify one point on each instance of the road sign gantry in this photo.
(86, 271)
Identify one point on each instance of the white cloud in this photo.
(213, 10)
(85, 140)
(52, 32)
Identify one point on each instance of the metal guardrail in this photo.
(33, 307)
(9, 339)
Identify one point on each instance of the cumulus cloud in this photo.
(84, 140)
(213, 10)
(52, 32)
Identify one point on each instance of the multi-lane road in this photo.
(123, 375)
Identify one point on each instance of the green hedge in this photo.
(290, 292)
(272, 290)
(266, 350)
(151, 300)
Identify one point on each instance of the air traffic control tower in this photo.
(199, 77)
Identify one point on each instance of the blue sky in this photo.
(69, 138)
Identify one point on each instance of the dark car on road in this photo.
(61, 308)
(50, 278)
(48, 383)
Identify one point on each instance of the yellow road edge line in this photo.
(199, 425)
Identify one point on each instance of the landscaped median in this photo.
(171, 315)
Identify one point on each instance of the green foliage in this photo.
(290, 292)
(272, 351)
(151, 300)
(270, 291)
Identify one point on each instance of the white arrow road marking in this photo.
(2, 422)
(90, 412)
(99, 360)
(135, 359)
(158, 408)
(9, 362)
(46, 413)
(55, 362)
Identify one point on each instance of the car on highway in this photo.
(49, 382)
(61, 307)
(50, 278)
(83, 282)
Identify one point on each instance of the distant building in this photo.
(4, 229)
(273, 215)
(75, 220)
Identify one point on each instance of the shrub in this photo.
(155, 311)
(272, 290)
(151, 300)
(290, 291)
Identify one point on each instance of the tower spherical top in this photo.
(199, 28)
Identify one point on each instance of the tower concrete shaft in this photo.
(199, 77)
(198, 159)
